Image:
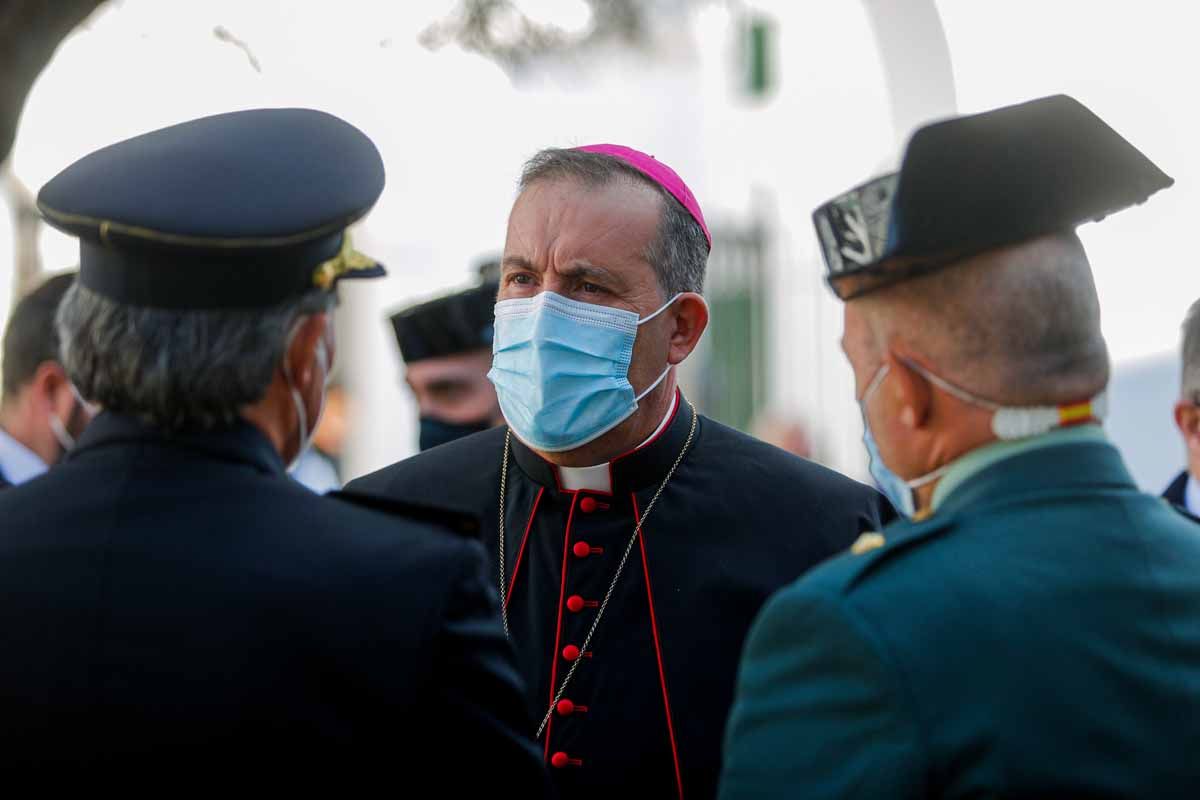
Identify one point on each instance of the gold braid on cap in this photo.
(347, 260)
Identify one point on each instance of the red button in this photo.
(575, 603)
(561, 759)
(565, 707)
(570, 652)
(581, 549)
(588, 504)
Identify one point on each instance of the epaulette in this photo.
(873, 549)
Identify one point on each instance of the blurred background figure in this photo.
(1184, 491)
(788, 432)
(446, 345)
(41, 415)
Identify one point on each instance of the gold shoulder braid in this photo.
(637, 531)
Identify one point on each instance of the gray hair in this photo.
(1018, 325)
(1190, 389)
(679, 252)
(176, 369)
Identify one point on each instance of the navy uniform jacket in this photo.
(1176, 493)
(177, 606)
(648, 704)
(1038, 637)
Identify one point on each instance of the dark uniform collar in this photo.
(240, 443)
(638, 469)
(1057, 468)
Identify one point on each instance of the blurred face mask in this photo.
(306, 430)
(81, 414)
(1008, 423)
(434, 431)
(561, 369)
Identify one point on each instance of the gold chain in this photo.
(637, 531)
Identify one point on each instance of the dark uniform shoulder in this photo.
(874, 552)
(450, 476)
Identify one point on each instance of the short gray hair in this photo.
(1018, 325)
(678, 253)
(1190, 389)
(176, 370)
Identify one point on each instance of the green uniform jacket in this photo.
(1039, 636)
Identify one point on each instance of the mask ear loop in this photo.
(298, 401)
(663, 376)
(661, 309)
(65, 440)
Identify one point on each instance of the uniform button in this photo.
(588, 504)
(565, 708)
(582, 549)
(575, 604)
(570, 652)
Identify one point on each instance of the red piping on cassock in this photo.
(662, 676)
(512, 581)
(562, 590)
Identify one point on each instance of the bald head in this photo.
(1018, 325)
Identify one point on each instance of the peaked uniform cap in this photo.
(237, 210)
(974, 183)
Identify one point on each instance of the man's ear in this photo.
(1187, 419)
(52, 389)
(300, 359)
(911, 392)
(690, 317)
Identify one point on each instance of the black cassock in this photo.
(645, 711)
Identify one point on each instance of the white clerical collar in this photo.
(17, 462)
(1191, 496)
(598, 478)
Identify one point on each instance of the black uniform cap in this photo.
(456, 323)
(975, 183)
(240, 210)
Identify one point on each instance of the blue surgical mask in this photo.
(561, 369)
(1008, 423)
(894, 488)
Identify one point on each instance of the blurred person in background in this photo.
(174, 608)
(446, 345)
(788, 432)
(41, 415)
(1032, 630)
(1184, 491)
(634, 540)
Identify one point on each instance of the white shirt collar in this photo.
(17, 462)
(598, 478)
(1191, 496)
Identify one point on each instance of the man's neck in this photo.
(627, 436)
(18, 461)
(17, 419)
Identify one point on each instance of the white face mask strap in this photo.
(65, 440)
(322, 355)
(929, 477)
(654, 385)
(950, 389)
(663, 308)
